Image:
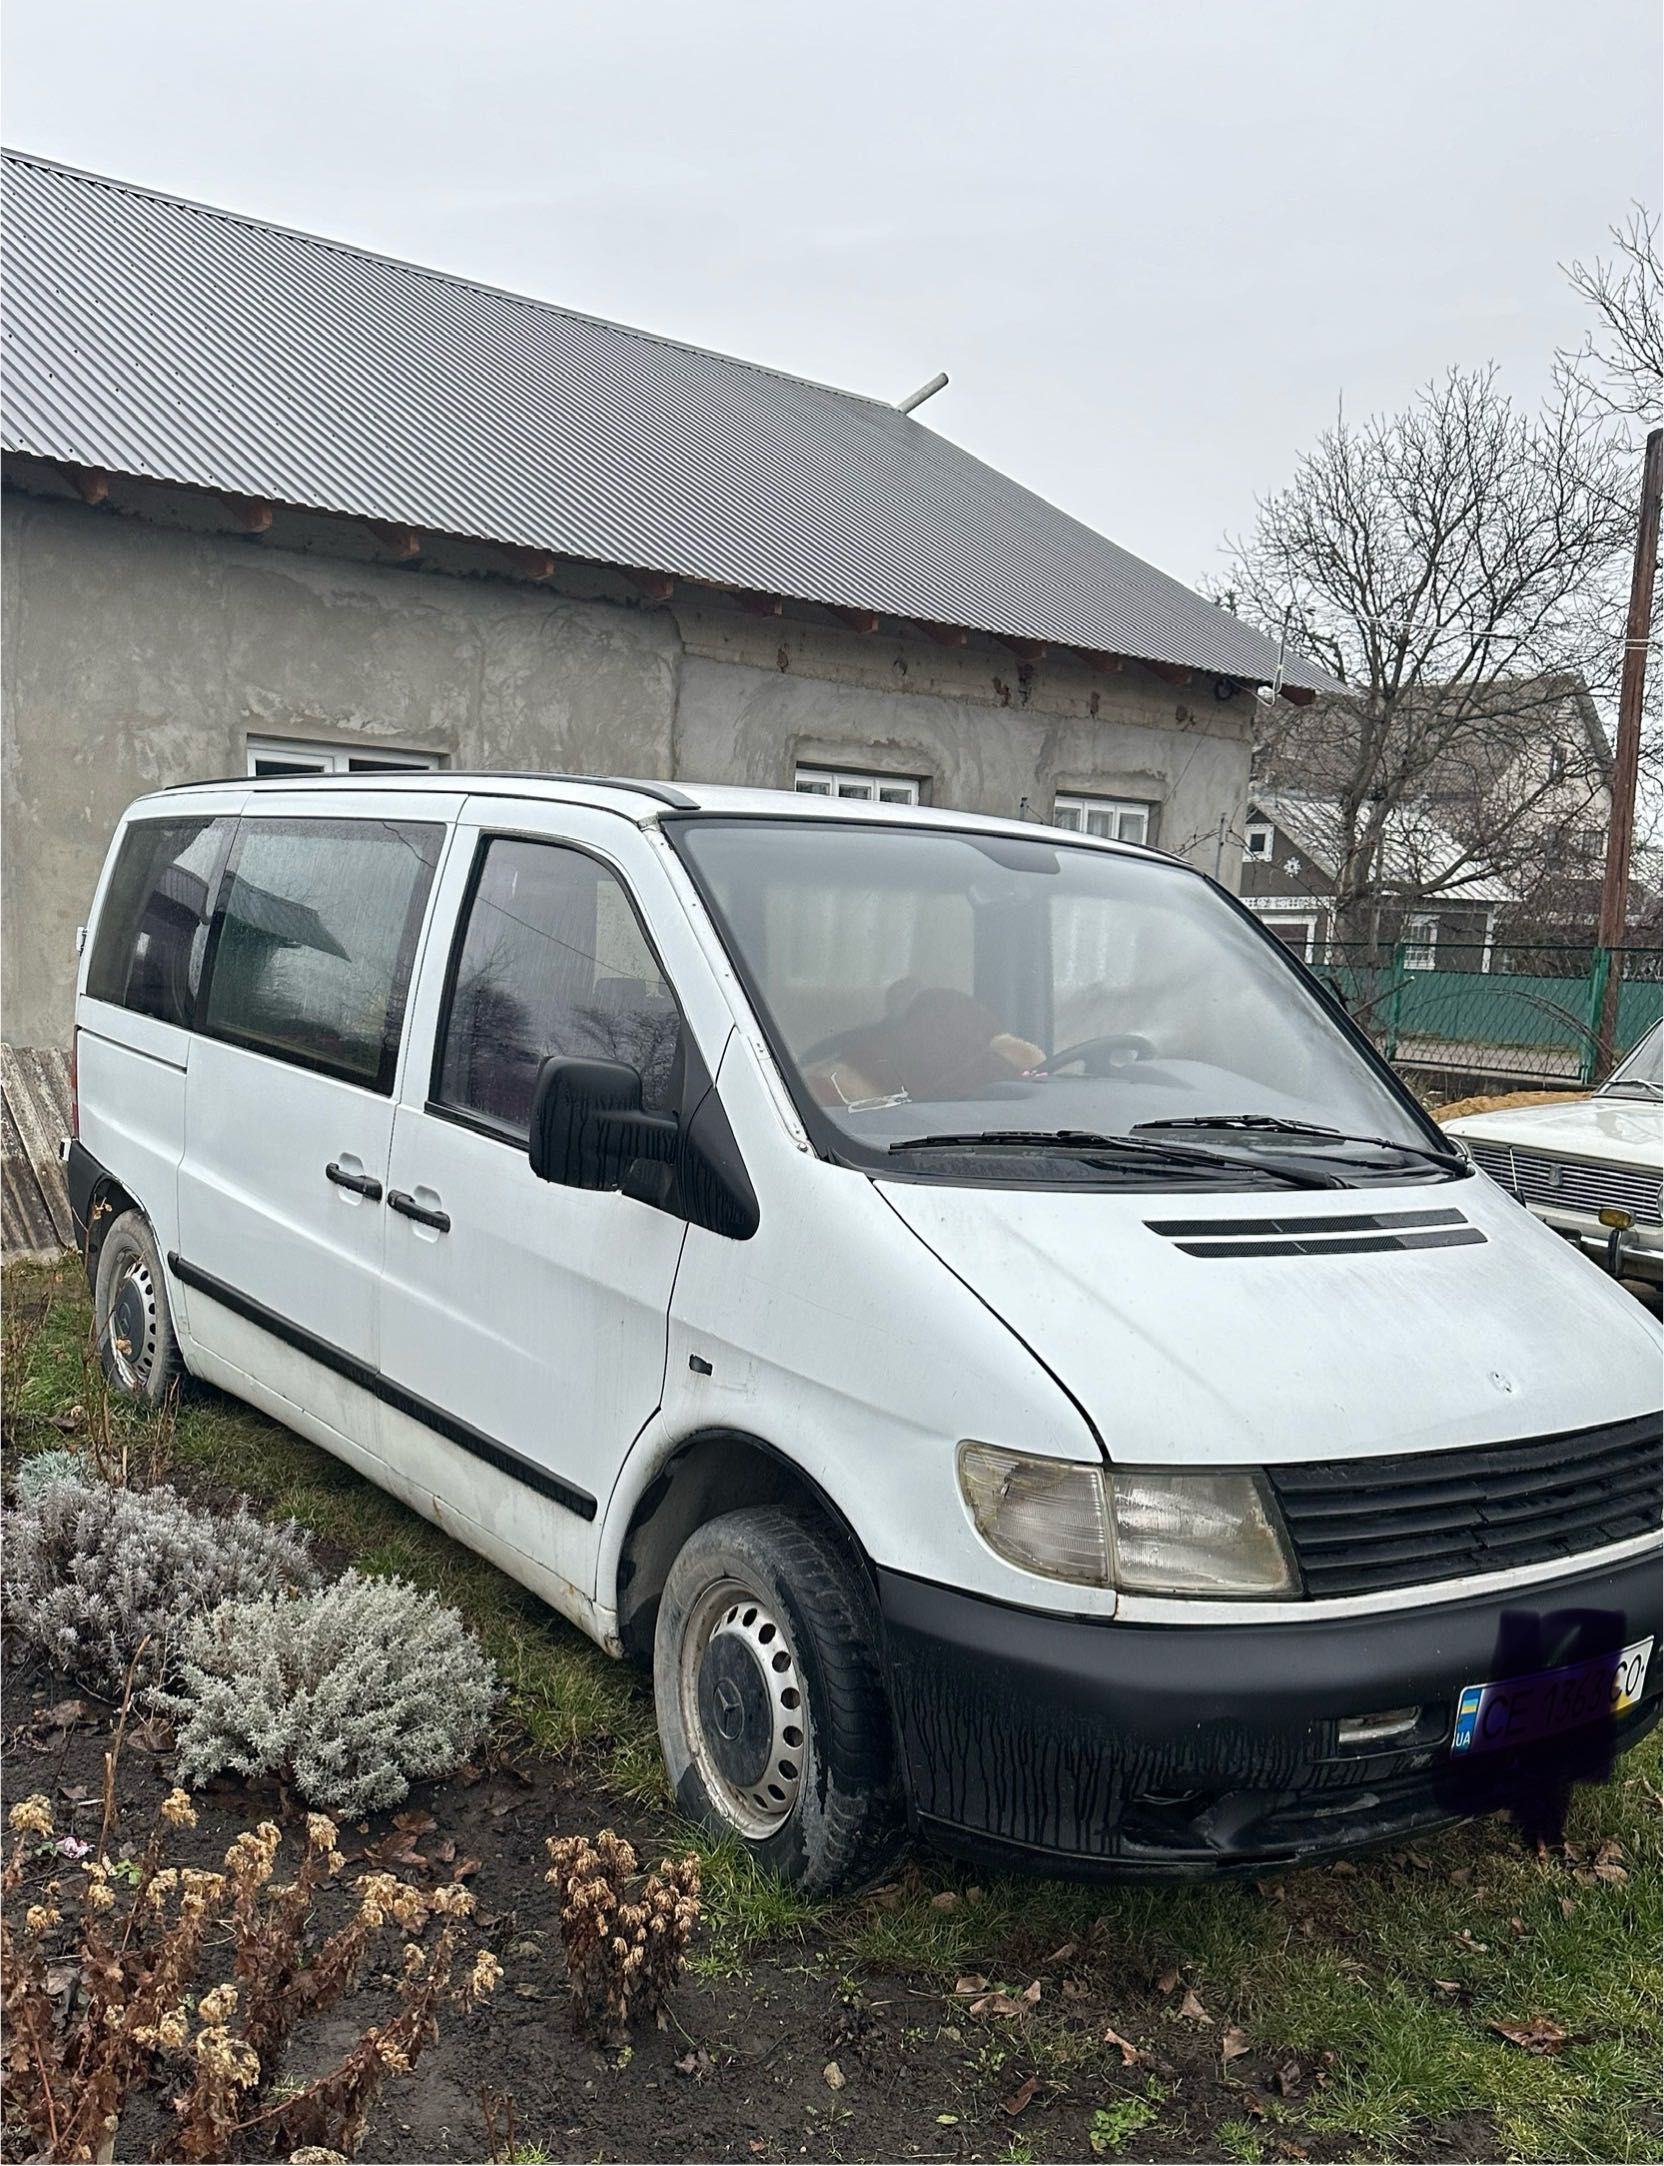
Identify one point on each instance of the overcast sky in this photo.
(1153, 241)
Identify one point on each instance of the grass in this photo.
(1382, 1980)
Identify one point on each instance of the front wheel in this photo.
(771, 1703)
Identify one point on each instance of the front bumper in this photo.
(1113, 1749)
(1632, 1252)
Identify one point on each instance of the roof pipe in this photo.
(925, 391)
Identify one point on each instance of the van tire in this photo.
(137, 1347)
(776, 1597)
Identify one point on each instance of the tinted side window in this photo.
(313, 940)
(552, 959)
(152, 928)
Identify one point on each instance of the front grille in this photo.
(1572, 1184)
(1360, 1525)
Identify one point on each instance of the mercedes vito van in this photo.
(951, 1294)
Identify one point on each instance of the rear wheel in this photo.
(136, 1341)
(771, 1704)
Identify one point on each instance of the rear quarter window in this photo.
(148, 946)
(313, 940)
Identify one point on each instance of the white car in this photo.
(948, 1294)
(1594, 1171)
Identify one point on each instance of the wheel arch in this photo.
(714, 1470)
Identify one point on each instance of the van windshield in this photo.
(955, 1005)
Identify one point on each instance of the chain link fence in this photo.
(1506, 1016)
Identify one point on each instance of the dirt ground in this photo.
(787, 2058)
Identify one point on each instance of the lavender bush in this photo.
(351, 1693)
(92, 1574)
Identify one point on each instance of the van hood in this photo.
(1218, 1330)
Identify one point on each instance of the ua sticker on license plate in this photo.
(1514, 1710)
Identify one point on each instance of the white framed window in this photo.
(294, 756)
(1258, 840)
(1421, 941)
(1295, 929)
(1116, 819)
(869, 789)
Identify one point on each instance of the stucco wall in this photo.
(139, 653)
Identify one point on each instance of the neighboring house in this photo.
(278, 505)
(1291, 852)
(1512, 781)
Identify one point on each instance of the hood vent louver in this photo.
(1358, 1233)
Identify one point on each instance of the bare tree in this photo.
(1619, 367)
(1449, 565)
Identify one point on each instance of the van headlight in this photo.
(1147, 1531)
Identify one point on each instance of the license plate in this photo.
(1514, 1710)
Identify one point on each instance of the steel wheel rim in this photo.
(754, 1776)
(133, 1327)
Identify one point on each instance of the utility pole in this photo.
(1620, 833)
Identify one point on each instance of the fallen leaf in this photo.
(1516, 1925)
(1167, 1981)
(1474, 1947)
(947, 1900)
(972, 1982)
(834, 2076)
(1568, 1903)
(947, 2120)
(1448, 1985)
(1285, 2149)
(1031, 1994)
(1285, 2077)
(1421, 1863)
(1272, 1890)
(1609, 1871)
(464, 1867)
(1233, 2045)
(1059, 1956)
(64, 1716)
(1343, 1865)
(1073, 1990)
(1541, 2035)
(1129, 2052)
(1610, 1852)
(444, 1851)
(996, 2004)
(973, 1895)
(1192, 2008)
(1021, 2096)
(414, 1823)
(697, 2065)
(61, 1976)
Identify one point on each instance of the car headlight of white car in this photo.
(1146, 1530)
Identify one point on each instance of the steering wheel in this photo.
(1103, 1056)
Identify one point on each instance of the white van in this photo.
(951, 1293)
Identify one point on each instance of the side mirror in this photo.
(587, 1125)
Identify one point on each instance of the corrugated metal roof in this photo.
(34, 1114)
(1414, 847)
(166, 339)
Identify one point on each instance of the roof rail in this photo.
(662, 792)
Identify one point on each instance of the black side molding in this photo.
(453, 1430)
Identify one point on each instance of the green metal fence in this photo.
(1512, 1016)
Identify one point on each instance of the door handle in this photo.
(360, 1183)
(408, 1207)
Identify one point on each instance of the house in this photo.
(1291, 853)
(277, 505)
(1510, 779)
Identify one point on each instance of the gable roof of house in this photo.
(153, 337)
(1413, 843)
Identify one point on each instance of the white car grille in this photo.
(1571, 1184)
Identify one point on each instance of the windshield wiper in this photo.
(1271, 1124)
(1084, 1142)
